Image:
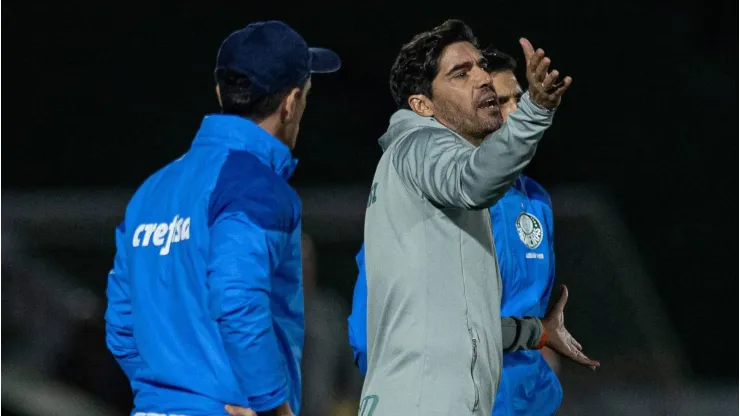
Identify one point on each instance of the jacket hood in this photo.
(404, 122)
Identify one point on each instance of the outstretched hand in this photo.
(559, 339)
(543, 89)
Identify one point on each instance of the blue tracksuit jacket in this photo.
(205, 299)
(523, 233)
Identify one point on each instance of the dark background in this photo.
(100, 95)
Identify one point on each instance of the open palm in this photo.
(558, 337)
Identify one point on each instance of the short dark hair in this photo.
(417, 63)
(237, 97)
(498, 61)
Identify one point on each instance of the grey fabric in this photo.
(520, 333)
(434, 290)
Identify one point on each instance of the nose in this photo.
(482, 78)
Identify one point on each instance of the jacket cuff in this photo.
(543, 338)
(536, 108)
(271, 400)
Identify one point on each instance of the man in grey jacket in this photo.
(435, 335)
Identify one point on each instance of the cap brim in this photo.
(324, 61)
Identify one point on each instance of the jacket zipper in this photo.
(495, 255)
(472, 368)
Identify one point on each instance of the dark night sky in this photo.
(102, 95)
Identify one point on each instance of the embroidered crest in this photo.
(529, 229)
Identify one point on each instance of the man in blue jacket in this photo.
(205, 300)
(523, 234)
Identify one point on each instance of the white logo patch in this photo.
(163, 234)
(529, 229)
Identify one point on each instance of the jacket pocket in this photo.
(473, 361)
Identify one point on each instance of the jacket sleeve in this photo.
(521, 334)
(119, 325)
(247, 240)
(450, 173)
(358, 318)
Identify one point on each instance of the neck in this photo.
(273, 126)
(475, 141)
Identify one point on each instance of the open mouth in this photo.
(488, 104)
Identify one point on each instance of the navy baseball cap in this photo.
(273, 56)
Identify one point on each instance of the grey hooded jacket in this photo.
(435, 339)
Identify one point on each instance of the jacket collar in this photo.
(403, 122)
(239, 133)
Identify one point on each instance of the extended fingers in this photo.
(576, 344)
(558, 93)
(549, 81)
(527, 49)
(532, 57)
(541, 70)
(566, 83)
(581, 358)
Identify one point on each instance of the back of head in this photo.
(259, 65)
(498, 61)
(239, 98)
(417, 63)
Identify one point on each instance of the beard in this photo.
(473, 123)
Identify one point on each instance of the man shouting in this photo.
(435, 335)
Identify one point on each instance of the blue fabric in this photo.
(205, 299)
(528, 384)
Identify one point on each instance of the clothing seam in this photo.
(415, 192)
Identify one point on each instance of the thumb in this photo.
(560, 305)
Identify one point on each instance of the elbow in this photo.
(483, 201)
(480, 195)
(120, 345)
(481, 205)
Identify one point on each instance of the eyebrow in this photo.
(482, 62)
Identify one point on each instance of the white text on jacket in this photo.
(163, 234)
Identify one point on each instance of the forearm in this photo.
(252, 347)
(119, 333)
(522, 334)
(450, 172)
(121, 344)
(498, 161)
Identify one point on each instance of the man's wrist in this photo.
(543, 337)
(527, 96)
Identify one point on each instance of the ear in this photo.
(218, 95)
(290, 103)
(421, 105)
